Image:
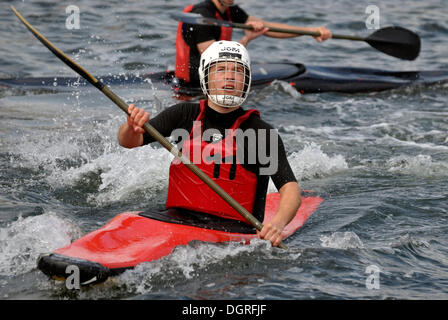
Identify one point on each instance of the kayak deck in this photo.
(131, 238)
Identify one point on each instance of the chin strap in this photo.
(226, 101)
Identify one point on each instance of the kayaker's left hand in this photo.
(272, 232)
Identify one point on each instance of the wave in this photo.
(420, 165)
(311, 162)
(123, 174)
(25, 239)
(342, 240)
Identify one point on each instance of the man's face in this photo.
(226, 78)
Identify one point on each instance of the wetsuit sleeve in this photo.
(271, 156)
(284, 172)
(238, 15)
(178, 116)
(194, 34)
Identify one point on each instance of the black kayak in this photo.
(305, 79)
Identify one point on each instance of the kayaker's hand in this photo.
(271, 232)
(324, 34)
(258, 30)
(137, 118)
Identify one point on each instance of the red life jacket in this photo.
(182, 68)
(186, 190)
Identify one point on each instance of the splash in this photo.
(187, 262)
(285, 87)
(123, 174)
(312, 162)
(25, 239)
(342, 240)
(420, 165)
(91, 159)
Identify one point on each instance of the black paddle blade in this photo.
(195, 18)
(397, 42)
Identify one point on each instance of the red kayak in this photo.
(135, 237)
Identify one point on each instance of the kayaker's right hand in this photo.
(324, 34)
(258, 30)
(137, 118)
(271, 232)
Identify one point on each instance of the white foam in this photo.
(185, 262)
(389, 140)
(312, 162)
(286, 87)
(123, 173)
(420, 165)
(342, 240)
(66, 144)
(25, 239)
(76, 155)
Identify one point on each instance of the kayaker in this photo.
(236, 160)
(192, 40)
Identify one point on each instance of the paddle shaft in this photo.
(147, 127)
(312, 33)
(394, 41)
(299, 32)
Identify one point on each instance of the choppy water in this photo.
(380, 160)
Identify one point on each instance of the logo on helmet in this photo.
(230, 55)
(231, 49)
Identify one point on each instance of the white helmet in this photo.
(224, 73)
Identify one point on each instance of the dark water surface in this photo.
(380, 160)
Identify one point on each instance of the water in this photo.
(380, 160)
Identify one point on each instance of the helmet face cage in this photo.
(224, 73)
(227, 81)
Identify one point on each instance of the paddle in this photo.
(394, 41)
(147, 127)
